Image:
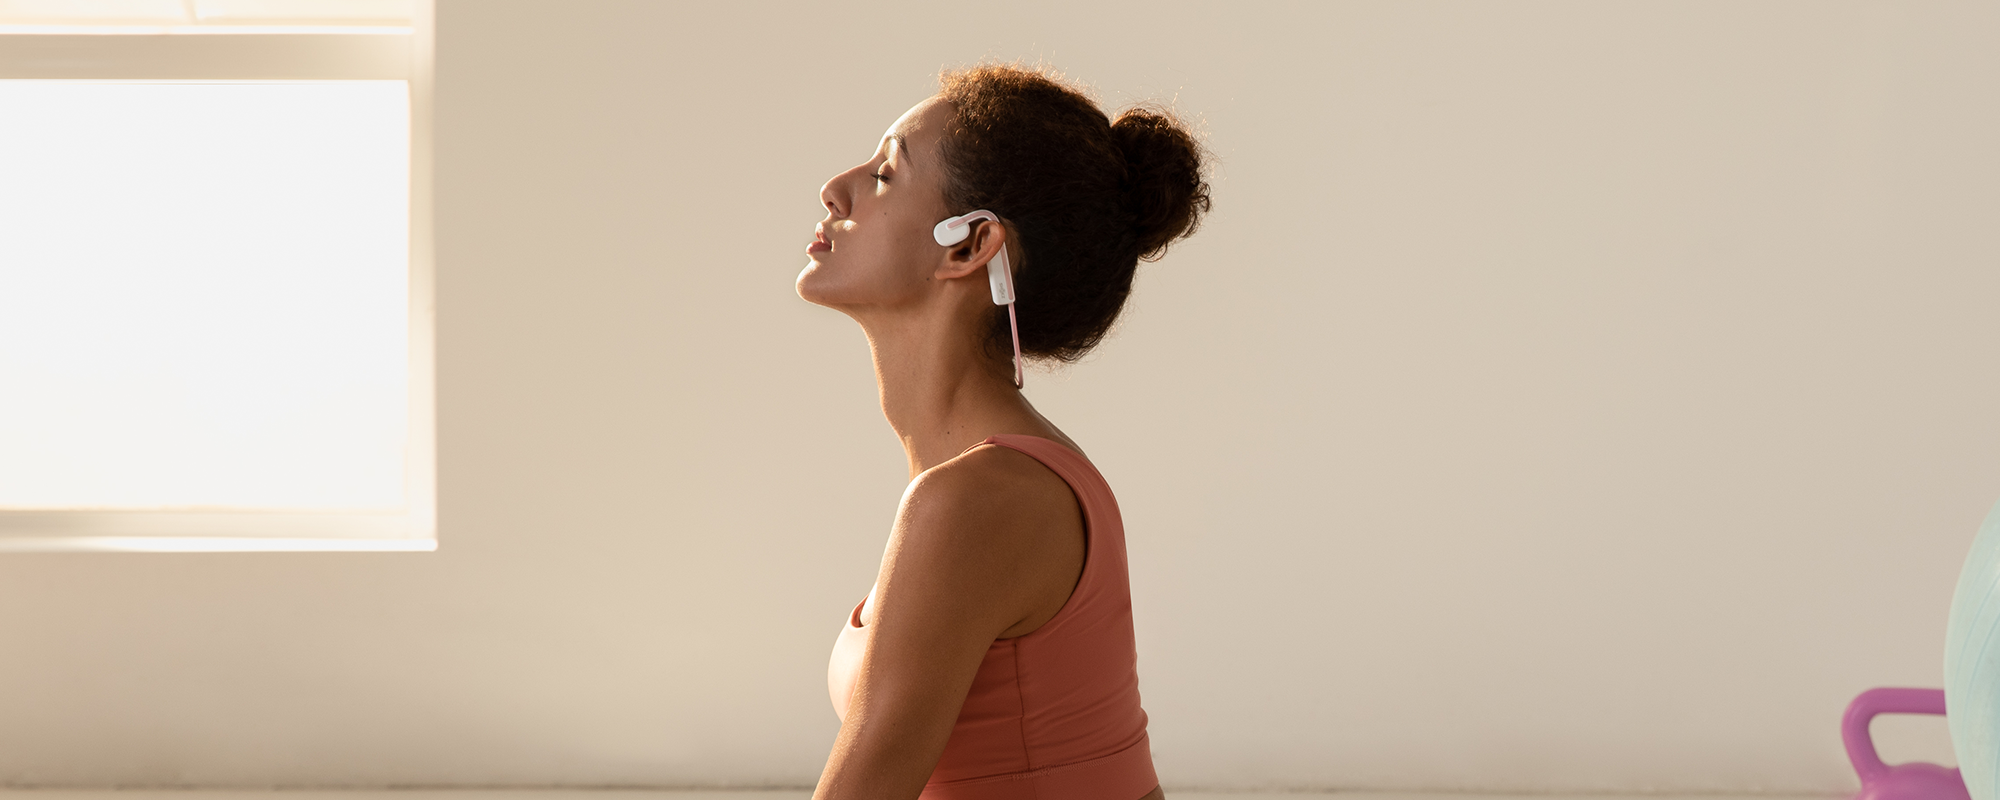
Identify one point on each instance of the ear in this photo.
(968, 258)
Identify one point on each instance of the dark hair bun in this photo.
(1163, 185)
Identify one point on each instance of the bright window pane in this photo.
(94, 10)
(203, 294)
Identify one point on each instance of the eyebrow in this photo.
(902, 143)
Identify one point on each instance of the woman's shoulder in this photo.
(992, 480)
(994, 504)
(999, 524)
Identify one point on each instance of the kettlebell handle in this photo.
(1854, 726)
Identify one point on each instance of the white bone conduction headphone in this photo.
(999, 274)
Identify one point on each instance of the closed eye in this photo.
(879, 176)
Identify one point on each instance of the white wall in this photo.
(1563, 395)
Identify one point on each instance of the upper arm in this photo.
(979, 545)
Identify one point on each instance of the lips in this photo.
(819, 244)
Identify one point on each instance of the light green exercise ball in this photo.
(1972, 664)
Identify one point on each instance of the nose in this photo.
(840, 191)
(830, 196)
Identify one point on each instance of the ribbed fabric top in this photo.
(1054, 714)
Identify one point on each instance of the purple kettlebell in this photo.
(1913, 781)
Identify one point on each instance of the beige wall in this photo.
(1563, 395)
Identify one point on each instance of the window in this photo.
(215, 282)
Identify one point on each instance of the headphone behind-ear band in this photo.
(999, 273)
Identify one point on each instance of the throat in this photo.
(939, 406)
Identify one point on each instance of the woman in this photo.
(994, 658)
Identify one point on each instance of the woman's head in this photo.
(1084, 198)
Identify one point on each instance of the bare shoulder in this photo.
(993, 525)
(993, 490)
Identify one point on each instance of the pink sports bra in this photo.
(1053, 714)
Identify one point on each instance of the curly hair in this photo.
(1088, 196)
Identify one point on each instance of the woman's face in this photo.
(874, 248)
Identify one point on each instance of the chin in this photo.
(811, 284)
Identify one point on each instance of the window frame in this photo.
(225, 56)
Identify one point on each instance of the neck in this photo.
(943, 394)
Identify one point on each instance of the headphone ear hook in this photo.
(999, 273)
(954, 229)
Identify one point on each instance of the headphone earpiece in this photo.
(954, 229)
(947, 235)
(999, 273)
